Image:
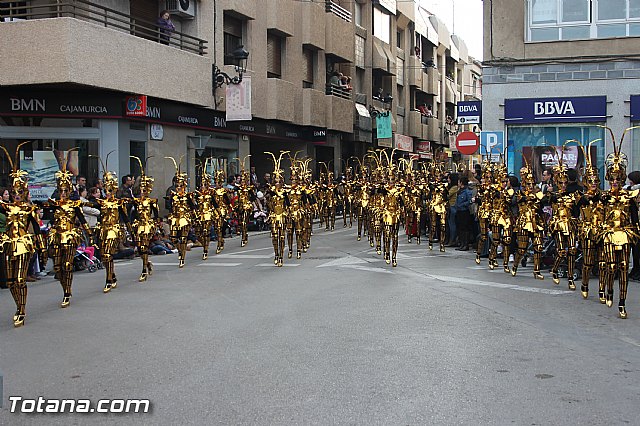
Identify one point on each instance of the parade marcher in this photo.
(500, 217)
(620, 228)
(17, 243)
(205, 212)
(277, 201)
(144, 223)
(437, 205)
(392, 208)
(591, 220)
(296, 200)
(180, 218)
(222, 205)
(528, 225)
(562, 225)
(244, 203)
(484, 199)
(64, 236)
(112, 216)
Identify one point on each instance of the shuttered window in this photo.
(307, 67)
(274, 56)
(232, 37)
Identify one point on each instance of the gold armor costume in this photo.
(18, 243)
(180, 217)
(144, 224)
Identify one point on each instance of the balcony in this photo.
(339, 113)
(313, 32)
(281, 99)
(313, 108)
(105, 17)
(382, 57)
(281, 17)
(414, 72)
(433, 129)
(339, 38)
(338, 91)
(85, 52)
(450, 92)
(337, 10)
(416, 126)
(432, 82)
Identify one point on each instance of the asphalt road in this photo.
(337, 337)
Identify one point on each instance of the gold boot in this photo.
(19, 320)
(572, 285)
(514, 270)
(299, 255)
(537, 275)
(556, 279)
(394, 262)
(477, 259)
(584, 290)
(205, 255)
(289, 255)
(107, 288)
(143, 277)
(180, 263)
(601, 297)
(622, 311)
(66, 300)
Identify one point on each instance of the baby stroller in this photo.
(85, 259)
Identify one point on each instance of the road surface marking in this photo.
(244, 256)
(274, 266)
(468, 281)
(219, 264)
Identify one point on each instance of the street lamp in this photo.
(239, 57)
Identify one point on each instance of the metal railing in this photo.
(109, 18)
(336, 9)
(338, 91)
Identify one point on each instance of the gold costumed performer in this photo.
(110, 231)
(64, 236)
(180, 217)
(277, 202)
(222, 205)
(620, 228)
(528, 224)
(205, 212)
(591, 219)
(17, 243)
(562, 225)
(244, 203)
(144, 223)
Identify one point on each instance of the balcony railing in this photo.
(338, 91)
(110, 18)
(337, 10)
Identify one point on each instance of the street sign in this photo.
(469, 112)
(467, 143)
(492, 142)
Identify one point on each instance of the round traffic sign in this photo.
(467, 143)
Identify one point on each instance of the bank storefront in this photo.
(537, 128)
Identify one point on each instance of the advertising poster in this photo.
(383, 126)
(42, 167)
(542, 158)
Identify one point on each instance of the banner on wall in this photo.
(383, 126)
(239, 100)
(543, 158)
(42, 167)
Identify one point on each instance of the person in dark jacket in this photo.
(463, 215)
(165, 27)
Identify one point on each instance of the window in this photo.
(232, 37)
(400, 71)
(551, 20)
(307, 67)
(359, 12)
(360, 42)
(274, 56)
(400, 39)
(381, 25)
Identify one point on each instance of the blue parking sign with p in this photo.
(491, 142)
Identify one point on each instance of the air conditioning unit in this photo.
(182, 8)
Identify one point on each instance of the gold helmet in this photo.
(180, 177)
(146, 182)
(63, 177)
(19, 178)
(278, 173)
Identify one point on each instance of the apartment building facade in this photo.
(102, 77)
(556, 70)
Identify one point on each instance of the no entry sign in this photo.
(467, 143)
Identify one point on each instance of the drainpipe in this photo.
(443, 97)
